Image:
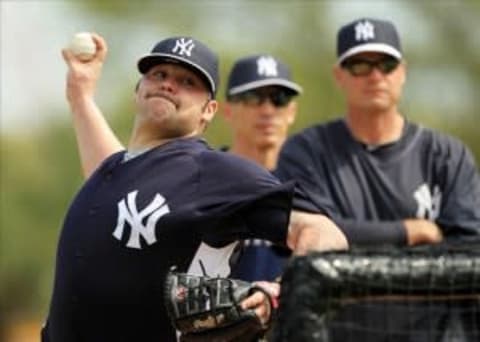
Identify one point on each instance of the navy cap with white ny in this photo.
(368, 35)
(187, 51)
(257, 71)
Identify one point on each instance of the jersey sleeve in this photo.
(241, 200)
(306, 165)
(297, 162)
(460, 210)
(366, 233)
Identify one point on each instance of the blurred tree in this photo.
(39, 175)
(455, 57)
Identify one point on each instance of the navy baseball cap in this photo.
(188, 51)
(259, 71)
(368, 35)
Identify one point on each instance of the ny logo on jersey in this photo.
(183, 47)
(364, 31)
(267, 66)
(129, 214)
(428, 204)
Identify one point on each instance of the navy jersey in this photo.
(133, 220)
(257, 259)
(369, 190)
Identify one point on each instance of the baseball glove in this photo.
(208, 309)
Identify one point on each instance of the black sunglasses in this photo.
(363, 67)
(279, 98)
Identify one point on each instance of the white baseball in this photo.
(83, 46)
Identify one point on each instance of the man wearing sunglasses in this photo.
(260, 107)
(380, 178)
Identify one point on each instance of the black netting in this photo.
(427, 294)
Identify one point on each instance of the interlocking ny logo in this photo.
(128, 213)
(183, 47)
(364, 31)
(267, 66)
(428, 204)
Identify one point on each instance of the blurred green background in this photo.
(40, 172)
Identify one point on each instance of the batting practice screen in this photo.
(426, 294)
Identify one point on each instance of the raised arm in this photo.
(96, 141)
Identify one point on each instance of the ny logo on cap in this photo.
(183, 47)
(267, 66)
(364, 31)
